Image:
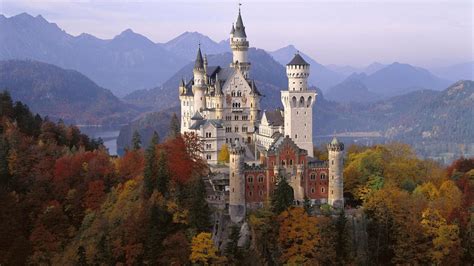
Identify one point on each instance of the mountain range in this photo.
(394, 79)
(130, 61)
(62, 94)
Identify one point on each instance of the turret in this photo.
(236, 183)
(219, 98)
(199, 82)
(254, 102)
(336, 168)
(239, 46)
(297, 71)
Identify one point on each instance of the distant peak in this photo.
(128, 31)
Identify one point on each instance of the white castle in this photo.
(222, 106)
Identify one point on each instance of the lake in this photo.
(108, 134)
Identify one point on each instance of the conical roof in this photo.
(334, 141)
(239, 28)
(232, 31)
(297, 61)
(199, 63)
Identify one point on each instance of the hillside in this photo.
(125, 63)
(352, 89)
(59, 93)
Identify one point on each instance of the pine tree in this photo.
(342, 241)
(232, 249)
(158, 228)
(136, 141)
(283, 196)
(199, 211)
(175, 127)
(162, 174)
(150, 171)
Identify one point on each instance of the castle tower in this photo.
(336, 166)
(236, 183)
(254, 103)
(240, 47)
(199, 85)
(298, 104)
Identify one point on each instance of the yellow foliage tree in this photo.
(445, 237)
(203, 250)
(298, 236)
(224, 154)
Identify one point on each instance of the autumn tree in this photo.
(224, 154)
(283, 196)
(298, 237)
(203, 250)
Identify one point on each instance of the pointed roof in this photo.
(199, 63)
(335, 141)
(239, 27)
(197, 116)
(232, 31)
(181, 83)
(297, 61)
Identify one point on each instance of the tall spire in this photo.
(199, 63)
(233, 29)
(239, 27)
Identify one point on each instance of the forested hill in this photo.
(59, 93)
(65, 201)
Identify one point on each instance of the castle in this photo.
(221, 105)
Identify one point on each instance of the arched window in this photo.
(250, 179)
(313, 176)
(260, 179)
(293, 100)
(323, 176)
(310, 99)
(301, 101)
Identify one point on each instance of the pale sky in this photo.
(425, 32)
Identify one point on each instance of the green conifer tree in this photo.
(232, 250)
(283, 196)
(151, 166)
(162, 174)
(199, 211)
(136, 141)
(175, 127)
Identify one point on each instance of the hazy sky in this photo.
(424, 32)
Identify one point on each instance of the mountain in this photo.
(270, 78)
(62, 94)
(185, 45)
(397, 78)
(372, 68)
(348, 70)
(320, 76)
(125, 63)
(392, 80)
(456, 72)
(352, 89)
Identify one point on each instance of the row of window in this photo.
(313, 190)
(236, 129)
(236, 117)
(260, 179)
